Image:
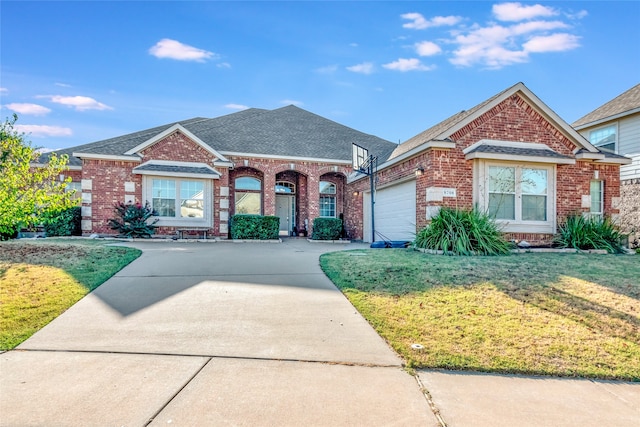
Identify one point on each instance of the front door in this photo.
(286, 210)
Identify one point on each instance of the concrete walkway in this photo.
(195, 334)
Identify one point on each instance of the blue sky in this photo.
(77, 72)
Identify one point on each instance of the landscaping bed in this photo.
(41, 278)
(564, 314)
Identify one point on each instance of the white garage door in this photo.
(395, 212)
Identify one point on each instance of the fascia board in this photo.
(519, 158)
(106, 157)
(608, 119)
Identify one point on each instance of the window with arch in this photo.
(284, 187)
(248, 195)
(327, 199)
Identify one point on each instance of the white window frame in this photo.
(164, 221)
(611, 125)
(329, 195)
(481, 196)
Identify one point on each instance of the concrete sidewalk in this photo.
(254, 334)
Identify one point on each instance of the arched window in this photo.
(327, 199)
(248, 195)
(284, 187)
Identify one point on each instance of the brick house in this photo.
(510, 155)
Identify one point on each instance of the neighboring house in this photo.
(510, 155)
(616, 126)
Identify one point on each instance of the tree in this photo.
(28, 191)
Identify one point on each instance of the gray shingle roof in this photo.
(627, 101)
(289, 131)
(177, 169)
(517, 151)
(440, 128)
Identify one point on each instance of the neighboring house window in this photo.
(327, 199)
(520, 197)
(597, 199)
(178, 198)
(605, 137)
(284, 187)
(248, 196)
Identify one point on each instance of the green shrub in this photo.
(63, 223)
(463, 232)
(326, 229)
(132, 220)
(255, 227)
(578, 232)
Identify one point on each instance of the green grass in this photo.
(40, 279)
(551, 314)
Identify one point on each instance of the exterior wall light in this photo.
(419, 171)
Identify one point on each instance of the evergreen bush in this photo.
(326, 229)
(255, 227)
(64, 222)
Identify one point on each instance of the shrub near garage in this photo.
(463, 232)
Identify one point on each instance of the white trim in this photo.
(175, 128)
(589, 156)
(511, 144)
(520, 158)
(178, 174)
(608, 118)
(67, 167)
(276, 157)
(615, 161)
(106, 157)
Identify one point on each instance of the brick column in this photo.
(313, 199)
(269, 194)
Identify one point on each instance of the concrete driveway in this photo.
(199, 334)
(195, 334)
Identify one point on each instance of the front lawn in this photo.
(551, 314)
(40, 279)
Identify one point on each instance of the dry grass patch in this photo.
(40, 279)
(553, 314)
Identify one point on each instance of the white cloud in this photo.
(173, 49)
(329, 69)
(62, 84)
(223, 65)
(418, 22)
(554, 43)
(412, 64)
(40, 131)
(427, 48)
(520, 12)
(291, 102)
(364, 68)
(236, 106)
(3, 90)
(28, 109)
(353, 44)
(80, 103)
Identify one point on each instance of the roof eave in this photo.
(607, 119)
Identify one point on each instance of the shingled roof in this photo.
(287, 132)
(627, 102)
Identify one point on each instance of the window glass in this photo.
(604, 137)
(596, 198)
(327, 187)
(164, 197)
(534, 194)
(502, 185)
(191, 199)
(285, 187)
(328, 206)
(248, 203)
(247, 183)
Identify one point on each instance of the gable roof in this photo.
(620, 106)
(288, 132)
(443, 130)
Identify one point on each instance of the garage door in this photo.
(395, 212)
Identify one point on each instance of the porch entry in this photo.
(286, 211)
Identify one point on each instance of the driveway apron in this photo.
(211, 334)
